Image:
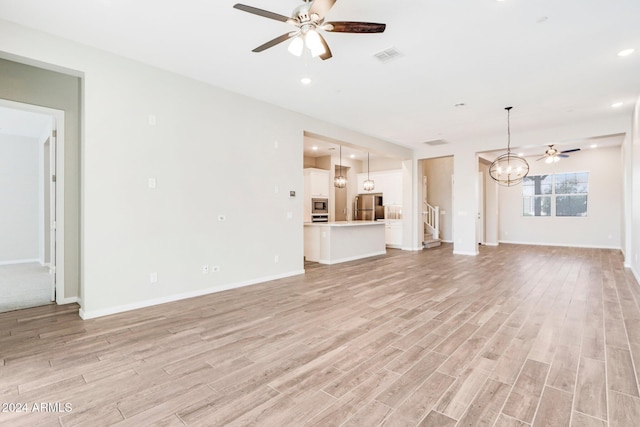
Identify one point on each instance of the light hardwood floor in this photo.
(517, 336)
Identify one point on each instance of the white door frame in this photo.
(57, 117)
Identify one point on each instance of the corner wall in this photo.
(216, 158)
(634, 257)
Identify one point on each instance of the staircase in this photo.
(431, 220)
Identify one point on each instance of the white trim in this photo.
(466, 253)
(20, 261)
(70, 300)
(353, 258)
(177, 297)
(408, 248)
(566, 245)
(490, 244)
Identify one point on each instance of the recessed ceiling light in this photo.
(594, 145)
(305, 80)
(353, 156)
(617, 105)
(460, 104)
(520, 154)
(626, 52)
(314, 148)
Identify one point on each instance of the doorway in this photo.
(31, 147)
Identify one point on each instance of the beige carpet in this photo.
(24, 285)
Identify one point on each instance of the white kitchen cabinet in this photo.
(316, 185)
(317, 182)
(393, 233)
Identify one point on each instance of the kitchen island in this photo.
(341, 241)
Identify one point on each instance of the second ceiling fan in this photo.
(554, 155)
(308, 18)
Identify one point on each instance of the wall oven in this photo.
(319, 206)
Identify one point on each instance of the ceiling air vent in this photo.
(436, 142)
(387, 55)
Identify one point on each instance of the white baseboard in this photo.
(417, 248)
(465, 253)
(337, 261)
(171, 298)
(19, 261)
(70, 300)
(490, 244)
(565, 245)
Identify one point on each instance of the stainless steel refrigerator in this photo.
(368, 207)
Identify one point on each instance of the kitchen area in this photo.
(352, 203)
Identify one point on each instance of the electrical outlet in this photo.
(205, 269)
(222, 218)
(276, 259)
(215, 268)
(153, 277)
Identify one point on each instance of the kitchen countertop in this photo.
(343, 223)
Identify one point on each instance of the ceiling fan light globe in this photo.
(556, 159)
(313, 42)
(549, 160)
(296, 46)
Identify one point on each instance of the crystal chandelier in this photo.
(368, 184)
(340, 181)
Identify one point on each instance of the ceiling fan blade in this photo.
(327, 52)
(570, 151)
(543, 157)
(273, 42)
(564, 156)
(321, 7)
(261, 12)
(354, 27)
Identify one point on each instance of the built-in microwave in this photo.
(319, 206)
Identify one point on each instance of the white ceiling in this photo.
(555, 61)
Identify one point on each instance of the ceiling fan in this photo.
(554, 155)
(308, 18)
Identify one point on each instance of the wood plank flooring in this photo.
(517, 336)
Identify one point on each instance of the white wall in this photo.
(19, 189)
(633, 258)
(204, 141)
(600, 228)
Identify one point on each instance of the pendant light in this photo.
(368, 184)
(340, 181)
(509, 169)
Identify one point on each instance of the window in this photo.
(563, 194)
(571, 194)
(536, 199)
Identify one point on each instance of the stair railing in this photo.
(431, 218)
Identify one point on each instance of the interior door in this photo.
(52, 210)
(480, 215)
